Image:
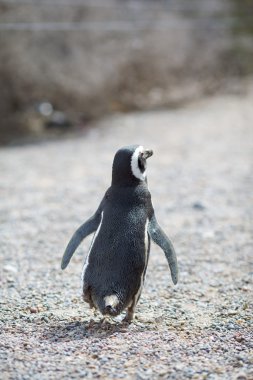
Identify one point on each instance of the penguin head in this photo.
(129, 165)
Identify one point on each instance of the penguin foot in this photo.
(106, 320)
(129, 316)
(87, 297)
(95, 312)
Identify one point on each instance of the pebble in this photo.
(198, 206)
(33, 309)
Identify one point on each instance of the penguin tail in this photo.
(110, 305)
(110, 310)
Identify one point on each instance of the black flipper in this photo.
(83, 231)
(160, 238)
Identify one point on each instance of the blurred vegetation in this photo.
(63, 64)
(240, 53)
(242, 10)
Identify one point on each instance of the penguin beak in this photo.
(147, 153)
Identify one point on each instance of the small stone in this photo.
(230, 326)
(198, 206)
(239, 338)
(10, 268)
(219, 370)
(33, 309)
(45, 319)
(231, 312)
(241, 376)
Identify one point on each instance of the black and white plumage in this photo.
(115, 267)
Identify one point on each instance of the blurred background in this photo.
(65, 63)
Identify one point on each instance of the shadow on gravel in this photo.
(77, 330)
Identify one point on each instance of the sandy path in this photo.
(201, 180)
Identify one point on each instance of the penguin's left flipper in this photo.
(82, 232)
(160, 238)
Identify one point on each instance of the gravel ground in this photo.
(201, 179)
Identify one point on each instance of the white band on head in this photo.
(135, 166)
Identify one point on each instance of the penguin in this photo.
(123, 225)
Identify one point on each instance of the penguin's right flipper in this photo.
(82, 232)
(160, 238)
